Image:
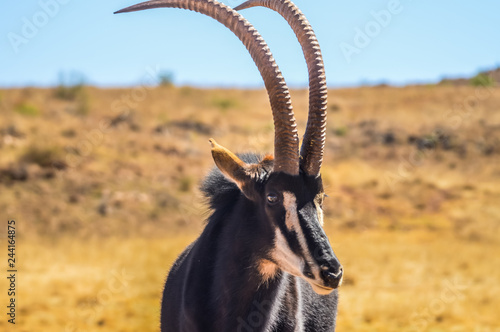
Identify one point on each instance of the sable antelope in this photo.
(263, 261)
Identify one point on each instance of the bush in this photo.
(82, 103)
(166, 78)
(224, 104)
(27, 109)
(340, 131)
(185, 184)
(68, 93)
(43, 156)
(483, 80)
(333, 108)
(2, 104)
(70, 86)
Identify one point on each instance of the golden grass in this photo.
(395, 281)
(418, 230)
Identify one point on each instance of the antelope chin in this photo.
(320, 290)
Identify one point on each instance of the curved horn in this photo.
(286, 141)
(314, 138)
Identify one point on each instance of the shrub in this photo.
(333, 108)
(27, 109)
(82, 103)
(224, 104)
(43, 156)
(340, 131)
(166, 78)
(483, 80)
(70, 86)
(185, 184)
(187, 91)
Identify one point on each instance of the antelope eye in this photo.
(272, 198)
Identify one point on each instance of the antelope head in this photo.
(286, 191)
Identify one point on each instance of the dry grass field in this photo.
(103, 184)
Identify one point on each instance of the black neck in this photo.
(232, 249)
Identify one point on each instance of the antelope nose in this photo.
(332, 276)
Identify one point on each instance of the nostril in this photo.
(332, 270)
(330, 276)
(340, 273)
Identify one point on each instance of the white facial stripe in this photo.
(320, 212)
(284, 256)
(292, 218)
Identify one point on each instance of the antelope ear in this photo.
(232, 167)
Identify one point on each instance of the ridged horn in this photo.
(286, 141)
(314, 138)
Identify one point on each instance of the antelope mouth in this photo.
(321, 290)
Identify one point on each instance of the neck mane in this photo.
(233, 245)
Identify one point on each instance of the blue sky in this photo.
(421, 41)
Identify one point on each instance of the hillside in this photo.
(107, 162)
(485, 78)
(102, 180)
